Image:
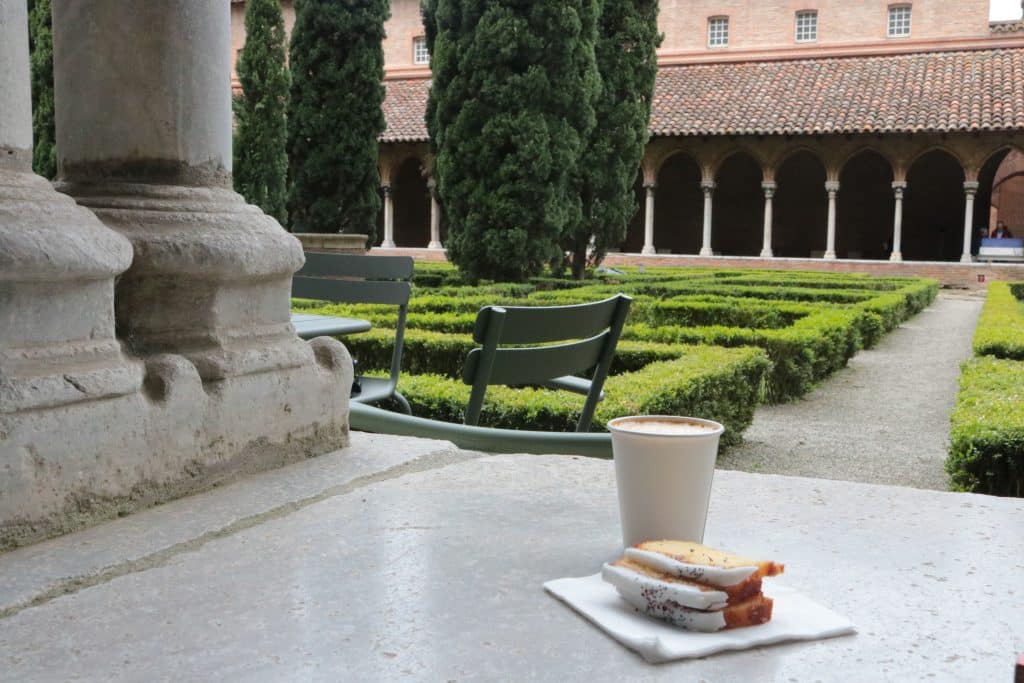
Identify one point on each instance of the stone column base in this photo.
(78, 463)
(830, 256)
(766, 253)
(435, 245)
(706, 251)
(966, 258)
(341, 243)
(648, 250)
(896, 256)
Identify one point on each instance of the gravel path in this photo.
(884, 419)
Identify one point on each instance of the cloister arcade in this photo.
(915, 197)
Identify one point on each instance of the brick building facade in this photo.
(815, 129)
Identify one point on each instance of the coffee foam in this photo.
(668, 427)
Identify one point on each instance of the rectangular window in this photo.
(899, 21)
(806, 26)
(718, 31)
(420, 54)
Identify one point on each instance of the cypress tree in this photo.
(260, 157)
(335, 120)
(510, 105)
(44, 153)
(627, 40)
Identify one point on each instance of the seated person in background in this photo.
(1001, 231)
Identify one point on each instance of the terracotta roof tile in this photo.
(931, 91)
(405, 102)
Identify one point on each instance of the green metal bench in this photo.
(354, 278)
(517, 349)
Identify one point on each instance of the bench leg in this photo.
(404, 403)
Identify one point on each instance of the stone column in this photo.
(389, 219)
(143, 115)
(649, 220)
(898, 188)
(970, 189)
(769, 191)
(435, 217)
(832, 187)
(57, 269)
(65, 383)
(708, 187)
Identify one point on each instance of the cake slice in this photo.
(660, 600)
(692, 586)
(640, 588)
(735, 593)
(700, 563)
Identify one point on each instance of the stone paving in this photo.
(884, 419)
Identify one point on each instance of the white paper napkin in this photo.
(794, 617)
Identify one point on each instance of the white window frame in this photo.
(718, 31)
(806, 26)
(420, 53)
(899, 21)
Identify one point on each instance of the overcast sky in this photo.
(1005, 9)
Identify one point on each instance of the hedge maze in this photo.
(986, 452)
(711, 343)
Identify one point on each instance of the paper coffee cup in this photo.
(663, 470)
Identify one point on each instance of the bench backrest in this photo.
(362, 279)
(593, 330)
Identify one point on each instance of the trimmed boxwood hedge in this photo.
(713, 382)
(986, 452)
(801, 354)
(803, 325)
(1000, 330)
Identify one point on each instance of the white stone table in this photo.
(434, 572)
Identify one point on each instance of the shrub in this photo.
(1000, 330)
(986, 453)
(801, 354)
(715, 383)
(44, 137)
(627, 37)
(335, 119)
(511, 102)
(261, 161)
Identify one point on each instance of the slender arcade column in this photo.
(389, 219)
(649, 220)
(708, 187)
(898, 188)
(832, 187)
(435, 217)
(769, 191)
(970, 189)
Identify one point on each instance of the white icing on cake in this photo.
(661, 599)
(684, 594)
(715, 576)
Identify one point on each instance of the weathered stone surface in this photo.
(336, 243)
(28, 574)
(143, 95)
(437, 575)
(205, 379)
(76, 463)
(16, 115)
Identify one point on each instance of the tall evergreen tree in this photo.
(627, 40)
(260, 155)
(337, 61)
(510, 106)
(44, 153)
